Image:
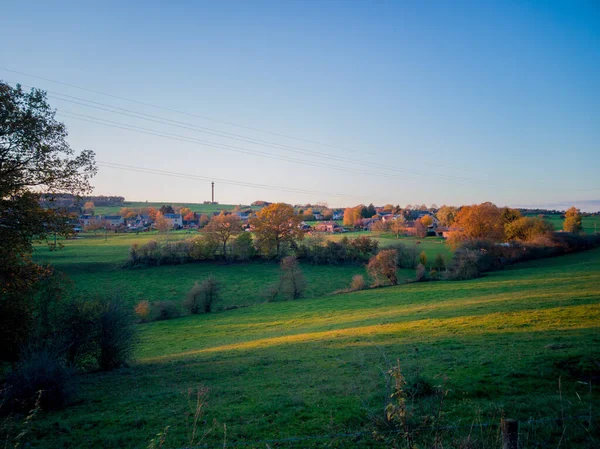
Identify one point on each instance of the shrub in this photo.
(358, 283)
(407, 255)
(271, 292)
(143, 310)
(420, 273)
(211, 288)
(423, 258)
(293, 282)
(164, 310)
(40, 373)
(193, 299)
(439, 264)
(77, 325)
(115, 338)
(383, 266)
(465, 265)
(243, 247)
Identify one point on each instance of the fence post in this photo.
(510, 433)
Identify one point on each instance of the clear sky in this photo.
(388, 101)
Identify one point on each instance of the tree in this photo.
(478, 222)
(397, 227)
(439, 263)
(427, 220)
(572, 221)
(161, 224)
(526, 228)
(36, 162)
(204, 220)
(371, 211)
(420, 229)
(222, 228)
(380, 227)
(445, 215)
(308, 214)
(89, 207)
(190, 216)
(349, 216)
(423, 258)
(509, 215)
(127, 212)
(388, 208)
(166, 209)
(184, 211)
(383, 266)
(276, 224)
(292, 282)
(152, 213)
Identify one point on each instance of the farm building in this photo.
(328, 226)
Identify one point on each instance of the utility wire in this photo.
(223, 181)
(227, 147)
(237, 137)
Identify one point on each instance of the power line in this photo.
(223, 181)
(229, 123)
(225, 122)
(215, 132)
(227, 147)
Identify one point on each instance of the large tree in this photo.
(479, 221)
(35, 162)
(222, 227)
(572, 221)
(276, 224)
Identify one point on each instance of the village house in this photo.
(175, 220)
(114, 221)
(328, 226)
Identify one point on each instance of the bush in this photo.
(193, 299)
(143, 310)
(465, 265)
(40, 374)
(164, 310)
(243, 247)
(271, 292)
(407, 255)
(293, 282)
(420, 273)
(115, 338)
(439, 264)
(210, 293)
(77, 325)
(383, 267)
(423, 258)
(358, 283)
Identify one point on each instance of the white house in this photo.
(175, 220)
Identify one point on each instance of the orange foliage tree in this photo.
(276, 224)
(479, 221)
(222, 228)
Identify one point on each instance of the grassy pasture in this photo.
(195, 207)
(313, 367)
(590, 224)
(96, 264)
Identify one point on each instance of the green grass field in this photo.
(314, 367)
(96, 264)
(590, 224)
(195, 207)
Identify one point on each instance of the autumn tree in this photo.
(88, 207)
(161, 224)
(526, 228)
(292, 281)
(446, 215)
(380, 227)
(509, 215)
(388, 208)
(327, 214)
(308, 214)
(204, 220)
(35, 162)
(383, 266)
(152, 213)
(479, 221)
(184, 211)
(190, 216)
(572, 221)
(276, 224)
(420, 229)
(427, 220)
(397, 227)
(127, 212)
(222, 228)
(349, 216)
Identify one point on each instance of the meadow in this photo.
(523, 342)
(96, 264)
(195, 207)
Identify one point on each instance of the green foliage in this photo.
(526, 229)
(243, 247)
(279, 357)
(439, 264)
(423, 258)
(165, 310)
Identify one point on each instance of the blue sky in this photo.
(409, 102)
